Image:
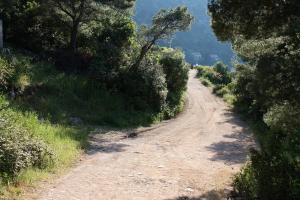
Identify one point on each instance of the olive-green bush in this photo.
(5, 73)
(146, 87)
(176, 70)
(18, 149)
(220, 78)
(275, 168)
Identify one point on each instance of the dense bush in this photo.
(146, 87)
(176, 71)
(113, 49)
(5, 73)
(244, 184)
(206, 72)
(218, 74)
(220, 78)
(221, 90)
(18, 149)
(276, 167)
(249, 99)
(15, 75)
(274, 171)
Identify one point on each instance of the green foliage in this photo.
(31, 149)
(15, 72)
(200, 40)
(146, 87)
(206, 82)
(5, 74)
(168, 22)
(274, 170)
(244, 184)
(266, 36)
(221, 90)
(221, 68)
(229, 98)
(218, 74)
(113, 49)
(220, 78)
(49, 25)
(93, 47)
(176, 71)
(164, 24)
(18, 149)
(283, 118)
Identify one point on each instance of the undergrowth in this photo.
(220, 79)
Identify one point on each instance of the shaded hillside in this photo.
(200, 44)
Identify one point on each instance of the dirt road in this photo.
(190, 157)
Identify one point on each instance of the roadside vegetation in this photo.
(220, 79)
(265, 34)
(69, 66)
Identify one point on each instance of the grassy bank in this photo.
(66, 144)
(46, 116)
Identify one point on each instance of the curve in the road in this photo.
(194, 155)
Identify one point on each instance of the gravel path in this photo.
(191, 157)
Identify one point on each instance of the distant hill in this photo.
(200, 44)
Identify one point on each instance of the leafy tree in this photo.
(47, 25)
(164, 25)
(76, 12)
(265, 34)
(21, 24)
(114, 47)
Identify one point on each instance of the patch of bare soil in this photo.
(191, 157)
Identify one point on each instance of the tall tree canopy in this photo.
(164, 25)
(76, 12)
(46, 24)
(266, 34)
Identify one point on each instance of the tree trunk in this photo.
(73, 39)
(1, 34)
(142, 55)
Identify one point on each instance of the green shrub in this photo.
(219, 74)
(249, 99)
(15, 71)
(219, 90)
(221, 68)
(244, 184)
(283, 118)
(107, 75)
(176, 70)
(276, 167)
(206, 82)
(271, 175)
(18, 149)
(146, 87)
(5, 73)
(229, 98)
